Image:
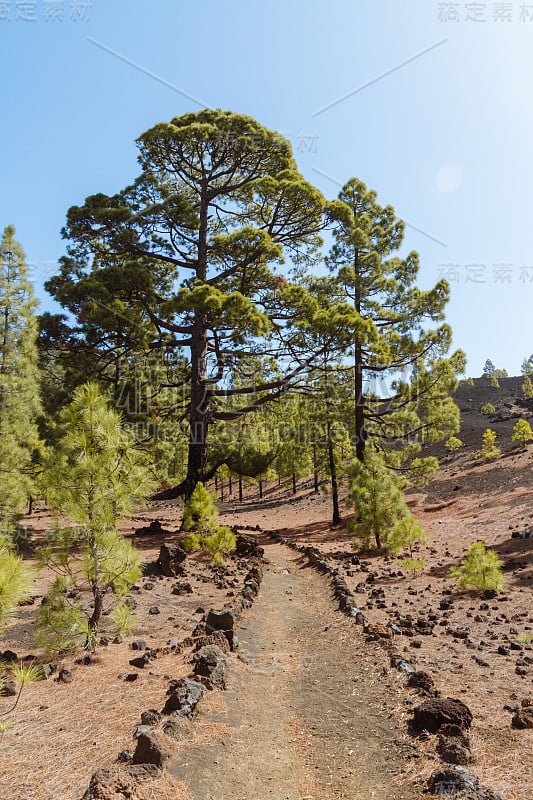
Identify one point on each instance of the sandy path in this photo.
(305, 712)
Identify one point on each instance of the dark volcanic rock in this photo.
(432, 714)
(223, 621)
(422, 681)
(523, 718)
(183, 696)
(453, 746)
(211, 663)
(458, 782)
(110, 783)
(171, 558)
(151, 750)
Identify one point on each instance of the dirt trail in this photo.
(305, 713)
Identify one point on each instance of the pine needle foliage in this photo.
(480, 570)
(522, 432)
(489, 451)
(200, 516)
(96, 477)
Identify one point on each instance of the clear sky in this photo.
(430, 103)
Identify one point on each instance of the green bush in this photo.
(453, 444)
(413, 565)
(481, 569)
(488, 409)
(200, 516)
(522, 432)
(489, 451)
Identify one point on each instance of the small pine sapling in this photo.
(200, 516)
(489, 451)
(408, 534)
(95, 477)
(375, 494)
(527, 387)
(480, 570)
(487, 409)
(15, 581)
(494, 382)
(522, 433)
(453, 444)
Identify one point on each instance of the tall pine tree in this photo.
(19, 381)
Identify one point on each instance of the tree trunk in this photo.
(333, 474)
(293, 483)
(360, 434)
(315, 468)
(260, 488)
(94, 621)
(240, 488)
(198, 412)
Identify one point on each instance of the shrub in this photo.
(489, 451)
(481, 569)
(413, 565)
(200, 518)
(453, 444)
(375, 494)
(15, 581)
(527, 387)
(488, 408)
(95, 477)
(522, 432)
(408, 533)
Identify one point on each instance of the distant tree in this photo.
(489, 451)
(20, 407)
(407, 534)
(481, 570)
(488, 369)
(453, 444)
(95, 477)
(522, 433)
(527, 366)
(527, 386)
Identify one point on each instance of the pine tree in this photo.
(527, 386)
(481, 569)
(95, 477)
(200, 519)
(375, 494)
(20, 406)
(453, 444)
(522, 433)
(397, 342)
(527, 366)
(489, 451)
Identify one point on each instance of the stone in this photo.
(432, 714)
(150, 717)
(183, 696)
(171, 558)
(217, 638)
(178, 728)
(151, 750)
(523, 718)
(453, 746)
(211, 663)
(115, 783)
(138, 644)
(153, 529)
(8, 689)
(460, 783)
(222, 621)
(182, 587)
(422, 681)
(65, 676)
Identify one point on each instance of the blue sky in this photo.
(430, 103)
